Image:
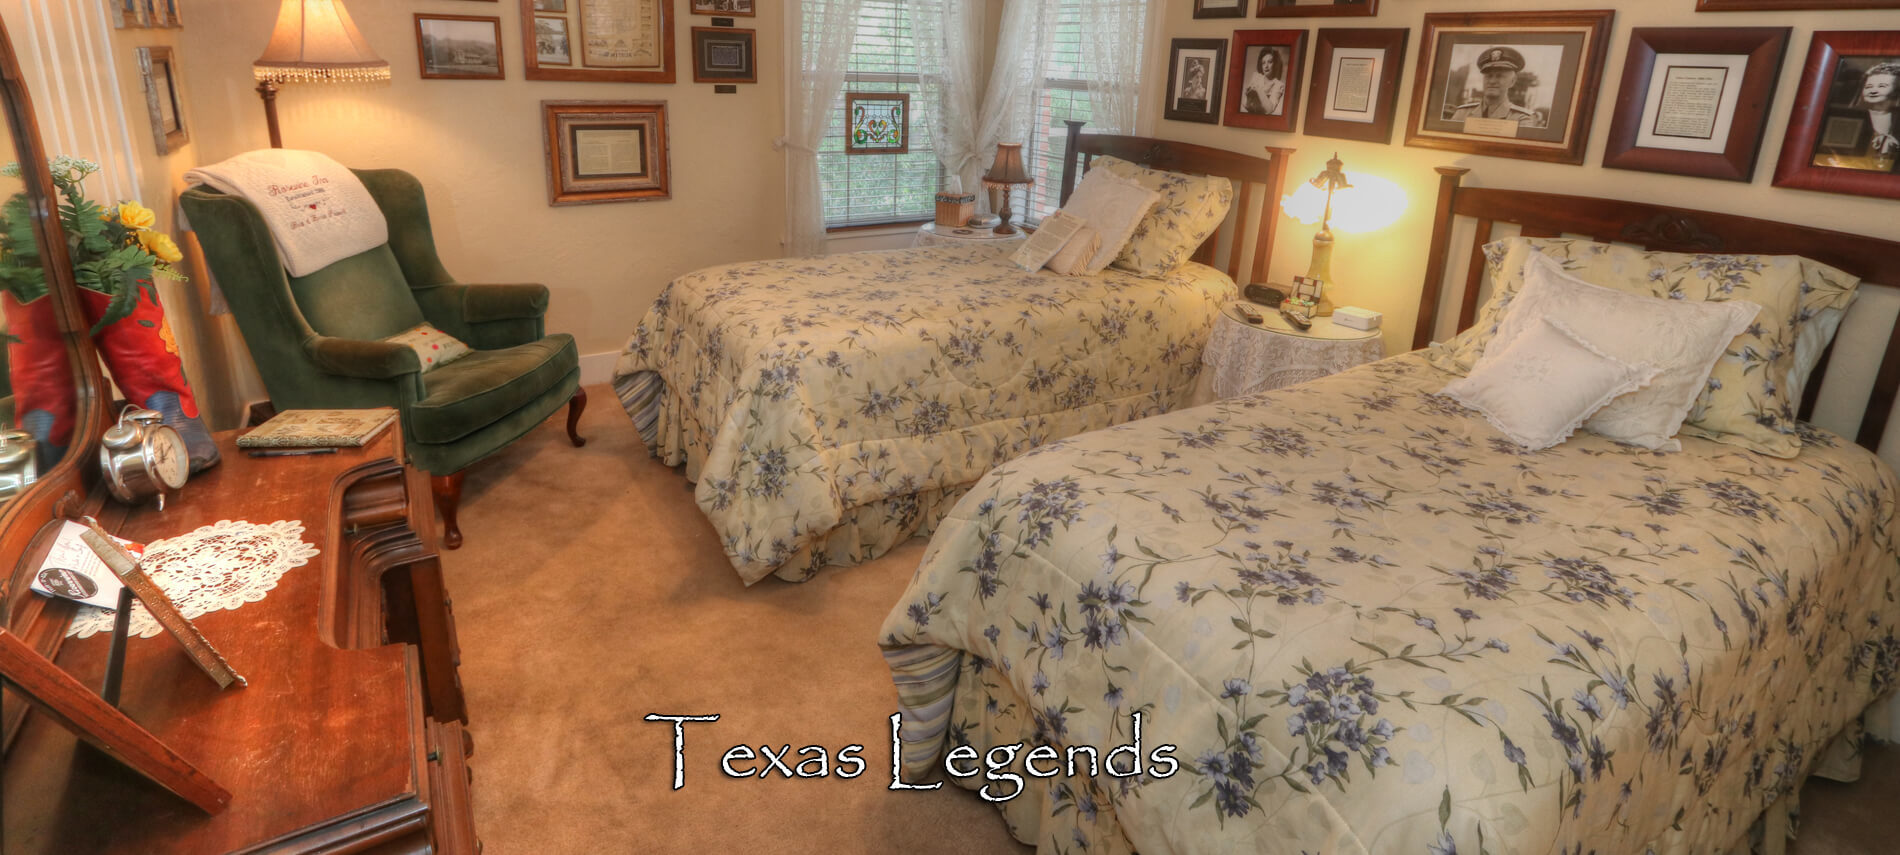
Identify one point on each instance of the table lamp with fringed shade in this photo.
(1006, 174)
(314, 42)
(1360, 202)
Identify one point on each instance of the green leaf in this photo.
(1444, 808)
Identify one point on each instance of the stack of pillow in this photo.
(1141, 220)
(1639, 346)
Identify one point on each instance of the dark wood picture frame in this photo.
(751, 11)
(1791, 5)
(577, 69)
(1384, 100)
(1764, 48)
(1361, 9)
(1828, 53)
(1290, 46)
(422, 49)
(1216, 77)
(853, 99)
(1574, 96)
(569, 184)
(159, 74)
(705, 37)
(1238, 10)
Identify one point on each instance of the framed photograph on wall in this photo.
(1194, 80)
(459, 47)
(606, 151)
(1355, 83)
(609, 41)
(129, 13)
(1791, 5)
(551, 44)
(1844, 133)
(1263, 85)
(738, 8)
(1694, 100)
(876, 123)
(160, 77)
(1317, 9)
(1220, 8)
(1509, 84)
(723, 55)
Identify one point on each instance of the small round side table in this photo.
(1243, 358)
(931, 234)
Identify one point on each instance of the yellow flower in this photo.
(160, 245)
(136, 216)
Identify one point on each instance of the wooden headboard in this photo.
(1661, 228)
(1171, 156)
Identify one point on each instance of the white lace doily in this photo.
(220, 566)
(1245, 359)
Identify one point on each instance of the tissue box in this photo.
(955, 209)
(1357, 318)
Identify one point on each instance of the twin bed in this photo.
(1365, 620)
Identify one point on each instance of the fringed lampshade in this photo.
(314, 42)
(1006, 174)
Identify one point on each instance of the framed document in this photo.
(606, 41)
(1694, 100)
(1509, 84)
(1355, 89)
(723, 55)
(606, 151)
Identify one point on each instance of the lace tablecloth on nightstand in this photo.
(931, 234)
(220, 566)
(1242, 359)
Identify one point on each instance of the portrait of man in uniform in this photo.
(1498, 67)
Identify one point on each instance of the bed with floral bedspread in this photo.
(1369, 623)
(828, 408)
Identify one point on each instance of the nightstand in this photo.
(931, 234)
(1242, 358)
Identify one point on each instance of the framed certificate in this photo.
(606, 41)
(1694, 100)
(606, 151)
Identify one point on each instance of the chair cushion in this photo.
(487, 385)
(361, 297)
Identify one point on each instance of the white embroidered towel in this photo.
(317, 209)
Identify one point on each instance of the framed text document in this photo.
(609, 41)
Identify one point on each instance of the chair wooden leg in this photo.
(448, 497)
(574, 407)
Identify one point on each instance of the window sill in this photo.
(876, 229)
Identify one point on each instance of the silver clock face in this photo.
(170, 460)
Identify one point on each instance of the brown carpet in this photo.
(591, 593)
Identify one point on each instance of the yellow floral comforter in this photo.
(1367, 622)
(830, 407)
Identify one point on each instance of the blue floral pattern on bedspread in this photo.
(1371, 623)
(800, 393)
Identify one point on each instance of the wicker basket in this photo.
(955, 209)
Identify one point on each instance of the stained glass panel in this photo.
(877, 123)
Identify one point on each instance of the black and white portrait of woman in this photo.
(1860, 131)
(1263, 93)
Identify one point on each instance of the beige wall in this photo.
(1383, 271)
(477, 147)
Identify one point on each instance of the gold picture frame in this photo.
(606, 151)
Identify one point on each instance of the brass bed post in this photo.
(1449, 178)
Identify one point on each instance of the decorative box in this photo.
(1357, 318)
(955, 209)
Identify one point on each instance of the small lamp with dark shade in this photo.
(1006, 174)
(314, 42)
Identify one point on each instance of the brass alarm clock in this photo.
(142, 457)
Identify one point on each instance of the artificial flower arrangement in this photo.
(114, 250)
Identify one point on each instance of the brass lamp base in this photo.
(1322, 269)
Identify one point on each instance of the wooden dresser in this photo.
(349, 737)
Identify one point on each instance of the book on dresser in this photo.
(319, 428)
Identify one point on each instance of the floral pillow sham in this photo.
(1746, 401)
(1190, 208)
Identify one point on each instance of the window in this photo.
(1067, 71)
(869, 189)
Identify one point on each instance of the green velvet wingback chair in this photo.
(317, 343)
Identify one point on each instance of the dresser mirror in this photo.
(51, 414)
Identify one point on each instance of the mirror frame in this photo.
(63, 489)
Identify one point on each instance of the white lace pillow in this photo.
(1113, 206)
(1682, 338)
(1541, 386)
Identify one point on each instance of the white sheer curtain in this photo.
(949, 37)
(1112, 36)
(820, 51)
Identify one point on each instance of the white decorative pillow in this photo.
(1544, 384)
(1683, 339)
(1113, 206)
(1191, 207)
(1073, 257)
(434, 348)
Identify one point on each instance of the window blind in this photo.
(1066, 73)
(881, 188)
